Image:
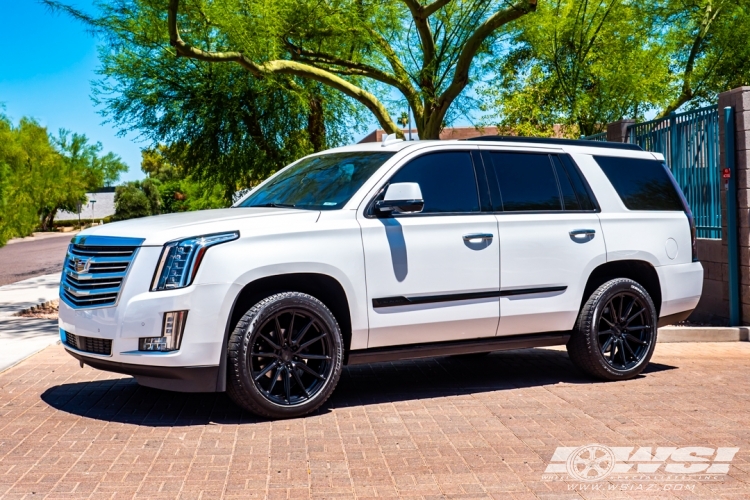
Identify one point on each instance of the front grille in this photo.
(93, 275)
(89, 344)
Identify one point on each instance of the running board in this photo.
(433, 349)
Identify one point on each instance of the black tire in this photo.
(615, 334)
(471, 355)
(281, 368)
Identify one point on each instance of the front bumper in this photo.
(139, 313)
(180, 379)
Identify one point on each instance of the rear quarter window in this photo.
(642, 184)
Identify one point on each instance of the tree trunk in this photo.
(316, 125)
(48, 219)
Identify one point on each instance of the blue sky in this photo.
(46, 71)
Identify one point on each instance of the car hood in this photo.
(159, 229)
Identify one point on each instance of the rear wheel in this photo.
(285, 356)
(615, 334)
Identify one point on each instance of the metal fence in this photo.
(601, 137)
(690, 144)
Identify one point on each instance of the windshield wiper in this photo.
(274, 205)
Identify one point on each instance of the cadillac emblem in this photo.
(81, 265)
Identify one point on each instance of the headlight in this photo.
(180, 259)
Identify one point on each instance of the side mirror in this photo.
(402, 197)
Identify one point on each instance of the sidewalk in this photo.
(22, 337)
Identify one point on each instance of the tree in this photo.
(178, 191)
(40, 174)
(423, 51)
(222, 126)
(137, 199)
(26, 156)
(708, 45)
(585, 63)
(80, 168)
(580, 64)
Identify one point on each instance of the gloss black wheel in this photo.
(285, 356)
(291, 357)
(625, 329)
(615, 334)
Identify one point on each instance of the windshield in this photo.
(323, 182)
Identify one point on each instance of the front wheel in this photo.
(285, 356)
(615, 334)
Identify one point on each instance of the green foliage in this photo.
(314, 52)
(226, 128)
(707, 45)
(179, 192)
(40, 174)
(137, 199)
(25, 155)
(167, 189)
(582, 64)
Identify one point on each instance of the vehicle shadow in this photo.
(124, 401)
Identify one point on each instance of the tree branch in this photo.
(313, 58)
(280, 67)
(686, 92)
(472, 46)
(420, 14)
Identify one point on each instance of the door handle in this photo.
(582, 235)
(478, 236)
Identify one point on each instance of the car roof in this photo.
(567, 145)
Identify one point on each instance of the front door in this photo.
(550, 239)
(433, 276)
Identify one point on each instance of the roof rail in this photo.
(548, 140)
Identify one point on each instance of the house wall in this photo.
(104, 206)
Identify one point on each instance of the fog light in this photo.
(171, 334)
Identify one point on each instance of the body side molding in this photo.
(430, 299)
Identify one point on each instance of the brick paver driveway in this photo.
(450, 428)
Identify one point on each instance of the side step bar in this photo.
(434, 349)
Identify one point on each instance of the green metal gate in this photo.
(690, 144)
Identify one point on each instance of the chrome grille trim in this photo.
(95, 269)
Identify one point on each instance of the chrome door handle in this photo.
(478, 236)
(582, 234)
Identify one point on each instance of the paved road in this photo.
(31, 257)
(440, 429)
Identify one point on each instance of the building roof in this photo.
(450, 133)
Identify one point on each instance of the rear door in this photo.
(550, 238)
(433, 276)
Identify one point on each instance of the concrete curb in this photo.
(669, 334)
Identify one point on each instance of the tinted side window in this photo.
(641, 184)
(447, 181)
(583, 194)
(570, 200)
(527, 182)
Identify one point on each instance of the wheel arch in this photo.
(639, 271)
(323, 287)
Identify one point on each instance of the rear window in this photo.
(641, 184)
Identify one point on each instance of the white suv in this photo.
(380, 252)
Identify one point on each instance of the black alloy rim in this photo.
(291, 357)
(625, 331)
